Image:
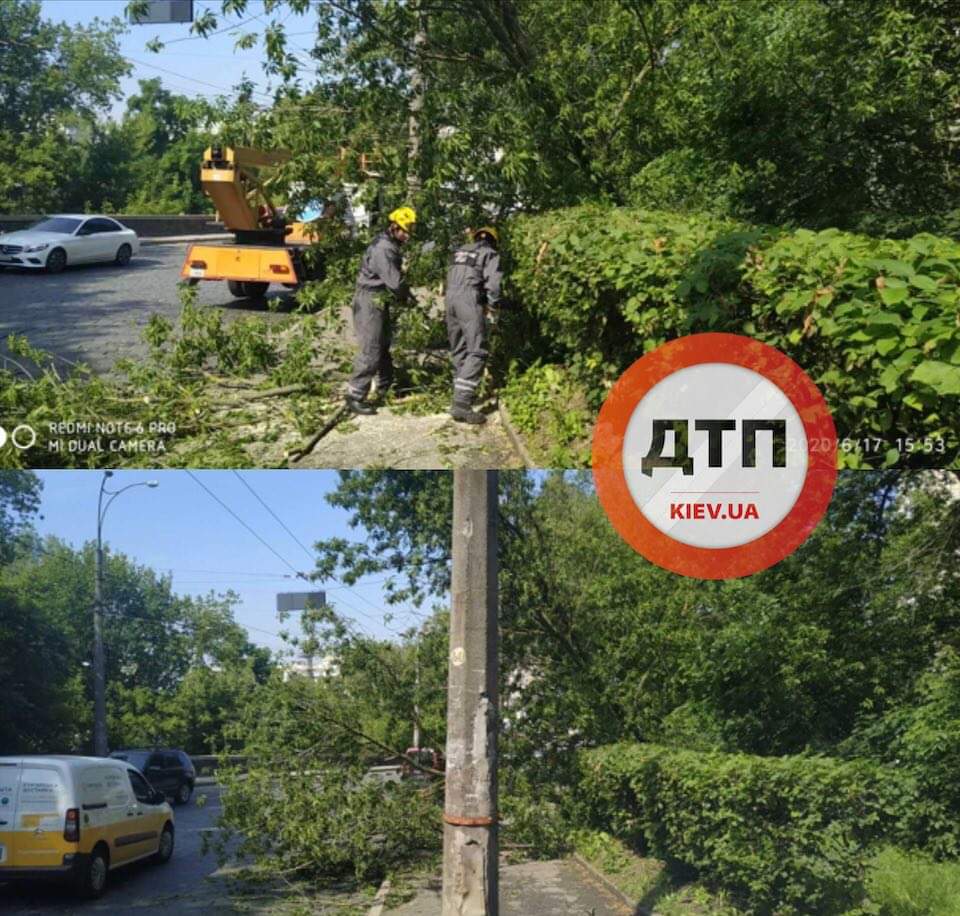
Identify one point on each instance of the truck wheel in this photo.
(236, 288)
(255, 290)
(92, 881)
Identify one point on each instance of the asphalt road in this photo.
(96, 313)
(183, 885)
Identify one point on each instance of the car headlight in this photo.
(41, 247)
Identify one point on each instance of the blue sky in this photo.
(179, 528)
(191, 65)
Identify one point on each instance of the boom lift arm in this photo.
(266, 248)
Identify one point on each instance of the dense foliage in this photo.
(61, 152)
(177, 668)
(776, 832)
(874, 322)
(819, 113)
(303, 802)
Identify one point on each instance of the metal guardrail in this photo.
(208, 764)
(145, 226)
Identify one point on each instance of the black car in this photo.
(171, 771)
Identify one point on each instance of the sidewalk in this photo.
(559, 887)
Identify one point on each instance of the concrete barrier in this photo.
(145, 226)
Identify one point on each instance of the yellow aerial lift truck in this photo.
(266, 248)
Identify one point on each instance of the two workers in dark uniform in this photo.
(473, 286)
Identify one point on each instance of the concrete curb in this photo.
(175, 239)
(514, 436)
(380, 899)
(594, 872)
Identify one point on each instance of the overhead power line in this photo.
(191, 79)
(213, 496)
(311, 555)
(275, 517)
(229, 28)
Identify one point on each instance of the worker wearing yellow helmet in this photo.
(473, 287)
(379, 283)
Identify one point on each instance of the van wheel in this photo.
(92, 881)
(165, 849)
(183, 793)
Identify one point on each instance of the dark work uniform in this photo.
(379, 281)
(473, 281)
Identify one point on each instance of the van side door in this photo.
(142, 835)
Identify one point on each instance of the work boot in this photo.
(357, 406)
(463, 412)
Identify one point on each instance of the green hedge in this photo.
(875, 322)
(781, 834)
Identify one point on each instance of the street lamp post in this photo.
(100, 746)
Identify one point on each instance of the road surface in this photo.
(96, 313)
(184, 885)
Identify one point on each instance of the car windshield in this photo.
(61, 224)
(137, 758)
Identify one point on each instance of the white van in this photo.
(78, 818)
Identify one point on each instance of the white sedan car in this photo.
(68, 238)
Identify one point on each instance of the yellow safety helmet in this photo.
(405, 218)
(489, 230)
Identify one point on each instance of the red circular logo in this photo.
(715, 456)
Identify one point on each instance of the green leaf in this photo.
(922, 281)
(891, 295)
(887, 344)
(941, 377)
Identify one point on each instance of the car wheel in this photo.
(56, 261)
(165, 849)
(92, 881)
(124, 253)
(183, 793)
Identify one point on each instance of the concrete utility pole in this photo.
(100, 744)
(418, 93)
(470, 846)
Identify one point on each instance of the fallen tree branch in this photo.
(310, 445)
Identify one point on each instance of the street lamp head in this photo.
(108, 473)
(153, 483)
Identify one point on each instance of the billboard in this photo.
(160, 11)
(290, 602)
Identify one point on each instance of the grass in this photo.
(648, 881)
(909, 885)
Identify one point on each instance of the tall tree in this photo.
(54, 79)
